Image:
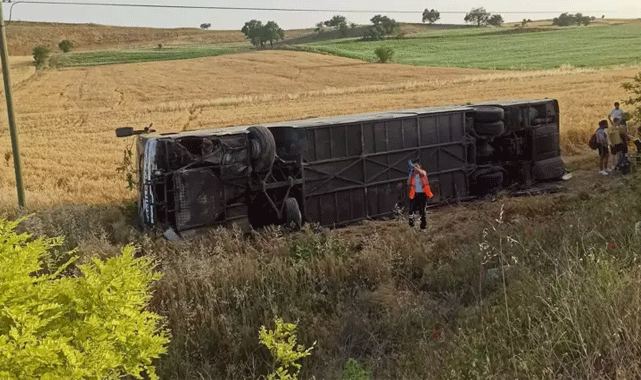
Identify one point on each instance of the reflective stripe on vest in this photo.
(422, 175)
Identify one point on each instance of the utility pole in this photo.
(12, 119)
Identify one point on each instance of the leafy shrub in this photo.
(354, 371)
(65, 46)
(384, 53)
(40, 56)
(87, 326)
(281, 342)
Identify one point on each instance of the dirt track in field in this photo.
(67, 117)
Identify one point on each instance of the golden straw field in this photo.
(66, 118)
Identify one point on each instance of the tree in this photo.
(477, 15)
(431, 15)
(65, 46)
(525, 22)
(634, 87)
(259, 34)
(338, 23)
(343, 28)
(253, 30)
(40, 56)
(495, 20)
(272, 32)
(320, 28)
(564, 19)
(205, 26)
(386, 24)
(373, 33)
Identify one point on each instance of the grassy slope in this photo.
(106, 57)
(486, 48)
(594, 46)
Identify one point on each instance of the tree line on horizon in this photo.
(382, 26)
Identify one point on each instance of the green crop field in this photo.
(506, 48)
(107, 57)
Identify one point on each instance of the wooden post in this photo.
(13, 129)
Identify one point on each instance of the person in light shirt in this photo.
(616, 113)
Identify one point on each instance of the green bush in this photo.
(354, 371)
(384, 53)
(65, 46)
(281, 342)
(40, 56)
(91, 325)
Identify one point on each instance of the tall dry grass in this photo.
(542, 287)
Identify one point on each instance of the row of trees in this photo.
(337, 23)
(567, 19)
(260, 34)
(480, 16)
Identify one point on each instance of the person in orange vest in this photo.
(419, 192)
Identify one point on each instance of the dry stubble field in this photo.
(66, 118)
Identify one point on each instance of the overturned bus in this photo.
(338, 170)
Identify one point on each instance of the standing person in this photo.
(623, 164)
(616, 113)
(419, 192)
(602, 143)
(614, 139)
(618, 135)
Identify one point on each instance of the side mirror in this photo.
(129, 131)
(125, 132)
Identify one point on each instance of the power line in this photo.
(203, 7)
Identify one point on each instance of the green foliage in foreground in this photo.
(87, 324)
(594, 46)
(281, 342)
(108, 57)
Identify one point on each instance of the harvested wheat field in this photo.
(66, 118)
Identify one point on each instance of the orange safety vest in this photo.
(424, 183)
